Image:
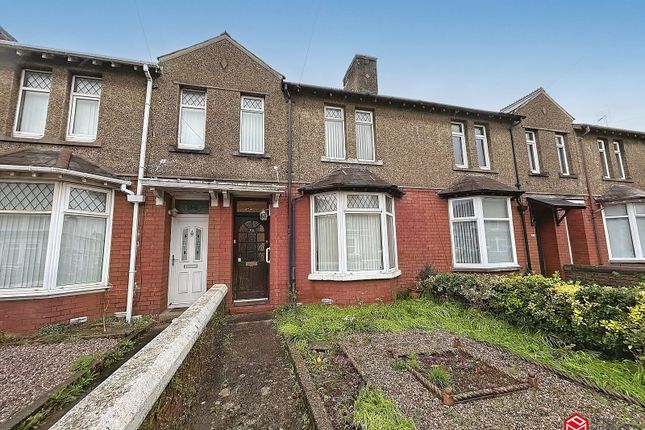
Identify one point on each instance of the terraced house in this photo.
(128, 187)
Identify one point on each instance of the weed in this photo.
(399, 365)
(439, 376)
(117, 353)
(374, 411)
(81, 363)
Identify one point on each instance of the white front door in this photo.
(188, 257)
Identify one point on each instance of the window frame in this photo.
(242, 110)
(532, 151)
(371, 125)
(561, 148)
(618, 155)
(342, 274)
(342, 122)
(478, 216)
(639, 253)
(71, 116)
(57, 214)
(604, 161)
(181, 145)
(462, 137)
(21, 92)
(483, 137)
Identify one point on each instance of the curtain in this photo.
(498, 241)
(192, 127)
(620, 238)
(466, 242)
(23, 249)
(252, 132)
(364, 142)
(391, 238)
(86, 117)
(81, 250)
(364, 246)
(326, 243)
(334, 139)
(33, 113)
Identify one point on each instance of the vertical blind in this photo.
(32, 114)
(192, 119)
(334, 133)
(363, 239)
(81, 250)
(364, 136)
(252, 125)
(23, 249)
(326, 243)
(85, 107)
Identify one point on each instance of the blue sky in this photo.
(589, 55)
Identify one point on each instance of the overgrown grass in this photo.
(313, 323)
(374, 411)
(81, 363)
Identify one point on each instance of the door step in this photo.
(250, 302)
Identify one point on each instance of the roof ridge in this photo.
(522, 100)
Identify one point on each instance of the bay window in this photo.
(33, 101)
(353, 236)
(625, 231)
(54, 237)
(482, 233)
(84, 108)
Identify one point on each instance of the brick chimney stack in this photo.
(361, 75)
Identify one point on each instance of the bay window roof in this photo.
(352, 179)
(56, 161)
(621, 193)
(473, 185)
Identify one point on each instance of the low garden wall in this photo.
(613, 276)
(124, 399)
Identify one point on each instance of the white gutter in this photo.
(66, 172)
(138, 198)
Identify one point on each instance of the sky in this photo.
(589, 55)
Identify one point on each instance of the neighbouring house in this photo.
(219, 170)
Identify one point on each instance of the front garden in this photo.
(582, 344)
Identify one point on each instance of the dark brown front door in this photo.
(250, 265)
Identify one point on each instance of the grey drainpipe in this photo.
(522, 208)
(290, 209)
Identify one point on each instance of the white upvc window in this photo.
(481, 145)
(252, 125)
(365, 135)
(619, 159)
(625, 231)
(353, 236)
(84, 104)
(33, 100)
(54, 238)
(459, 144)
(562, 154)
(531, 143)
(192, 119)
(481, 229)
(334, 133)
(604, 163)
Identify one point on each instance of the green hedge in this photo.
(606, 319)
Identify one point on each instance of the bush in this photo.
(606, 319)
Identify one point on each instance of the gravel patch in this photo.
(29, 371)
(543, 408)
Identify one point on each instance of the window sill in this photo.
(509, 268)
(463, 169)
(571, 176)
(539, 175)
(627, 260)
(48, 141)
(627, 180)
(33, 293)
(356, 276)
(74, 139)
(263, 156)
(173, 148)
(351, 161)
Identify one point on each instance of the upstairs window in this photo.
(531, 143)
(33, 100)
(84, 108)
(334, 133)
(482, 233)
(192, 119)
(252, 125)
(481, 145)
(625, 231)
(562, 154)
(364, 135)
(603, 158)
(459, 144)
(619, 159)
